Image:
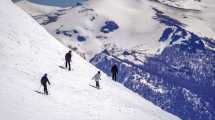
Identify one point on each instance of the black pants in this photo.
(45, 89)
(114, 76)
(68, 64)
(97, 84)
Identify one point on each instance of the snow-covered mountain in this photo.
(184, 4)
(28, 51)
(165, 49)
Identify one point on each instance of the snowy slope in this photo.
(35, 9)
(89, 19)
(165, 53)
(200, 10)
(136, 28)
(184, 4)
(27, 51)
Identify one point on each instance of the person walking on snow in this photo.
(97, 77)
(114, 71)
(68, 58)
(44, 81)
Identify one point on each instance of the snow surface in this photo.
(184, 4)
(165, 52)
(127, 17)
(36, 9)
(137, 30)
(28, 51)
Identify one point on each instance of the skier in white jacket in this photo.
(97, 77)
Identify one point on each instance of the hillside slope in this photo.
(35, 9)
(164, 50)
(27, 52)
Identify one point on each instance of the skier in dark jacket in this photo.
(44, 81)
(114, 71)
(68, 58)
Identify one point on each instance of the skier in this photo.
(97, 77)
(114, 71)
(68, 58)
(44, 81)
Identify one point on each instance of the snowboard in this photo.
(95, 87)
(39, 92)
(62, 67)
